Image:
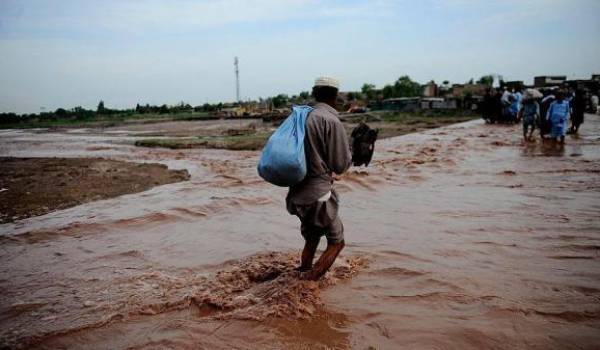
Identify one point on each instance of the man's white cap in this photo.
(326, 81)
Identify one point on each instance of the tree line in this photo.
(402, 87)
(82, 114)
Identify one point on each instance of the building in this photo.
(404, 104)
(462, 90)
(438, 103)
(430, 90)
(547, 81)
(514, 85)
(230, 110)
(587, 85)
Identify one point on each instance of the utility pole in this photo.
(237, 79)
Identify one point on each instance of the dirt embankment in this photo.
(36, 186)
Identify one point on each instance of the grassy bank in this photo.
(238, 142)
(390, 124)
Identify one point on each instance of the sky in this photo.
(67, 53)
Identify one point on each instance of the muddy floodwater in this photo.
(460, 237)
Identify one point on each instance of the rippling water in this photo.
(457, 238)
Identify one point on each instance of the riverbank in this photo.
(37, 186)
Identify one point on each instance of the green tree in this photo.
(280, 100)
(81, 113)
(61, 112)
(405, 87)
(100, 108)
(369, 91)
(305, 95)
(486, 80)
(388, 91)
(208, 107)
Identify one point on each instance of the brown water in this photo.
(457, 238)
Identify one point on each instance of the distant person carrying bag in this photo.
(313, 199)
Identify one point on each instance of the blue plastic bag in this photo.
(283, 162)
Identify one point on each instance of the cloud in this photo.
(130, 16)
(71, 52)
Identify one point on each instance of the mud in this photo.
(37, 186)
(454, 241)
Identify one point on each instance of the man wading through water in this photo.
(314, 200)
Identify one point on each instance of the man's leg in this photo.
(308, 253)
(335, 244)
(531, 130)
(325, 261)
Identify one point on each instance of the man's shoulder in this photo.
(324, 114)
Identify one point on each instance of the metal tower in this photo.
(237, 79)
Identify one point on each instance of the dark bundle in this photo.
(363, 144)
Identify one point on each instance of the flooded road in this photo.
(457, 238)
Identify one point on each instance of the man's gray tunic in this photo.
(327, 151)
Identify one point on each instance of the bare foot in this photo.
(324, 263)
(306, 276)
(302, 268)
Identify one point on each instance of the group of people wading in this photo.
(548, 111)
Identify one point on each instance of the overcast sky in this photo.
(65, 53)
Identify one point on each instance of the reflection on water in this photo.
(474, 240)
(546, 148)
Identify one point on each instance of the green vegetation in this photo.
(369, 91)
(280, 100)
(98, 120)
(486, 80)
(103, 116)
(403, 87)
